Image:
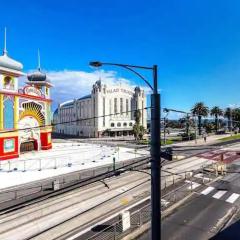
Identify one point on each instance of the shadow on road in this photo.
(230, 233)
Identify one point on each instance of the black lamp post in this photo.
(155, 144)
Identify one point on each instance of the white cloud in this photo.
(234, 105)
(69, 84)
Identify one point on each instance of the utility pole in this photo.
(155, 143)
(155, 158)
(195, 118)
(164, 130)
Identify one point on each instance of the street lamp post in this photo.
(155, 144)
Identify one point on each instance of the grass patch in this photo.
(234, 137)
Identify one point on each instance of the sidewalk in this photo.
(200, 142)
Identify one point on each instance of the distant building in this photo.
(25, 113)
(96, 114)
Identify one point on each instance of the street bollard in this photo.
(9, 166)
(55, 163)
(114, 164)
(202, 175)
(165, 183)
(40, 165)
(24, 165)
(191, 184)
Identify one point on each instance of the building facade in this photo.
(107, 111)
(25, 113)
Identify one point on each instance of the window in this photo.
(127, 109)
(8, 83)
(124, 124)
(115, 105)
(121, 105)
(112, 124)
(8, 121)
(119, 124)
(130, 124)
(110, 106)
(104, 112)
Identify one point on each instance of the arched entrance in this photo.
(29, 134)
(28, 146)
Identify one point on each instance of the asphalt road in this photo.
(206, 213)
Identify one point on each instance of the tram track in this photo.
(140, 163)
(33, 220)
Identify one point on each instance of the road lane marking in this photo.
(193, 185)
(207, 190)
(219, 194)
(233, 198)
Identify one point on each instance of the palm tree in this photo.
(200, 110)
(216, 112)
(228, 115)
(236, 117)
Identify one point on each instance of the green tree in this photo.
(138, 130)
(228, 115)
(236, 117)
(200, 110)
(216, 112)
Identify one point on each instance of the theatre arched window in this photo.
(119, 124)
(8, 83)
(8, 111)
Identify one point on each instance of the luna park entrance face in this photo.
(28, 146)
(29, 135)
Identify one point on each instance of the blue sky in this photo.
(196, 44)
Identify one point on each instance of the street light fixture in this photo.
(155, 143)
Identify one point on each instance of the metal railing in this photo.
(58, 182)
(115, 231)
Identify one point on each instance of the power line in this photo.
(73, 121)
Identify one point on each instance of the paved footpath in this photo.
(200, 142)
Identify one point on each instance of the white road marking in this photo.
(200, 175)
(164, 202)
(207, 190)
(219, 194)
(193, 185)
(233, 198)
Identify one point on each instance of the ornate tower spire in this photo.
(5, 42)
(39, 61)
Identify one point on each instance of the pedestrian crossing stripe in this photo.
(233, 198)
(221, 194)
(200, 175)
(207, 190)
(193, 185)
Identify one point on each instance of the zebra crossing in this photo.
(223, 195)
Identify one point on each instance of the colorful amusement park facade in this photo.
(25, 113)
